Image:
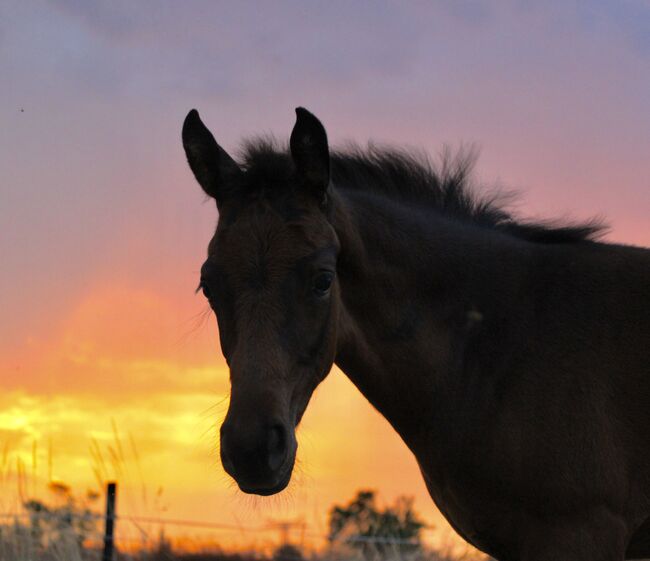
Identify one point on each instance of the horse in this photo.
(511, 356)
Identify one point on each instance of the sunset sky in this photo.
(103, 228)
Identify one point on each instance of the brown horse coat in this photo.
(512, 358)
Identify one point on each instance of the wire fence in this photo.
(94, 536)
(162, 521)
(74, 537)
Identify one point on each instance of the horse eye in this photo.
(205, 289)
(323, 282)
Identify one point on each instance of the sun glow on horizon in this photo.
(108, 397)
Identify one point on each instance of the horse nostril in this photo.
(277, 446)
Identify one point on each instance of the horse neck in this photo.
(414, 286)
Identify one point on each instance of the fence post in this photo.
(109, 521)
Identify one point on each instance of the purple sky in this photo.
(93, 182)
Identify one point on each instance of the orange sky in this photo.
(122, 355)
(103, 229)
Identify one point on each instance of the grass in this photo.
(44, 520)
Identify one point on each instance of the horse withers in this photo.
(513, 358)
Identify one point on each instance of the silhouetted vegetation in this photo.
(69, 527)
(64, 515)
(375, 532)
(170, 555)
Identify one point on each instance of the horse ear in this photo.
(214, 169)
(310, 153)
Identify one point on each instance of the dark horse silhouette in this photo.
(512, 358)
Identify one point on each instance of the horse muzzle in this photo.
(259, 456)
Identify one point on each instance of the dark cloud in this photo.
(229, 48)
(630, 18)
(471, 12)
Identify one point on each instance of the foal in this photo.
(512, 358)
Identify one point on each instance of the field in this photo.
(46, 520)
(77, 537)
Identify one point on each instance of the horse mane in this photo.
(410, 177)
